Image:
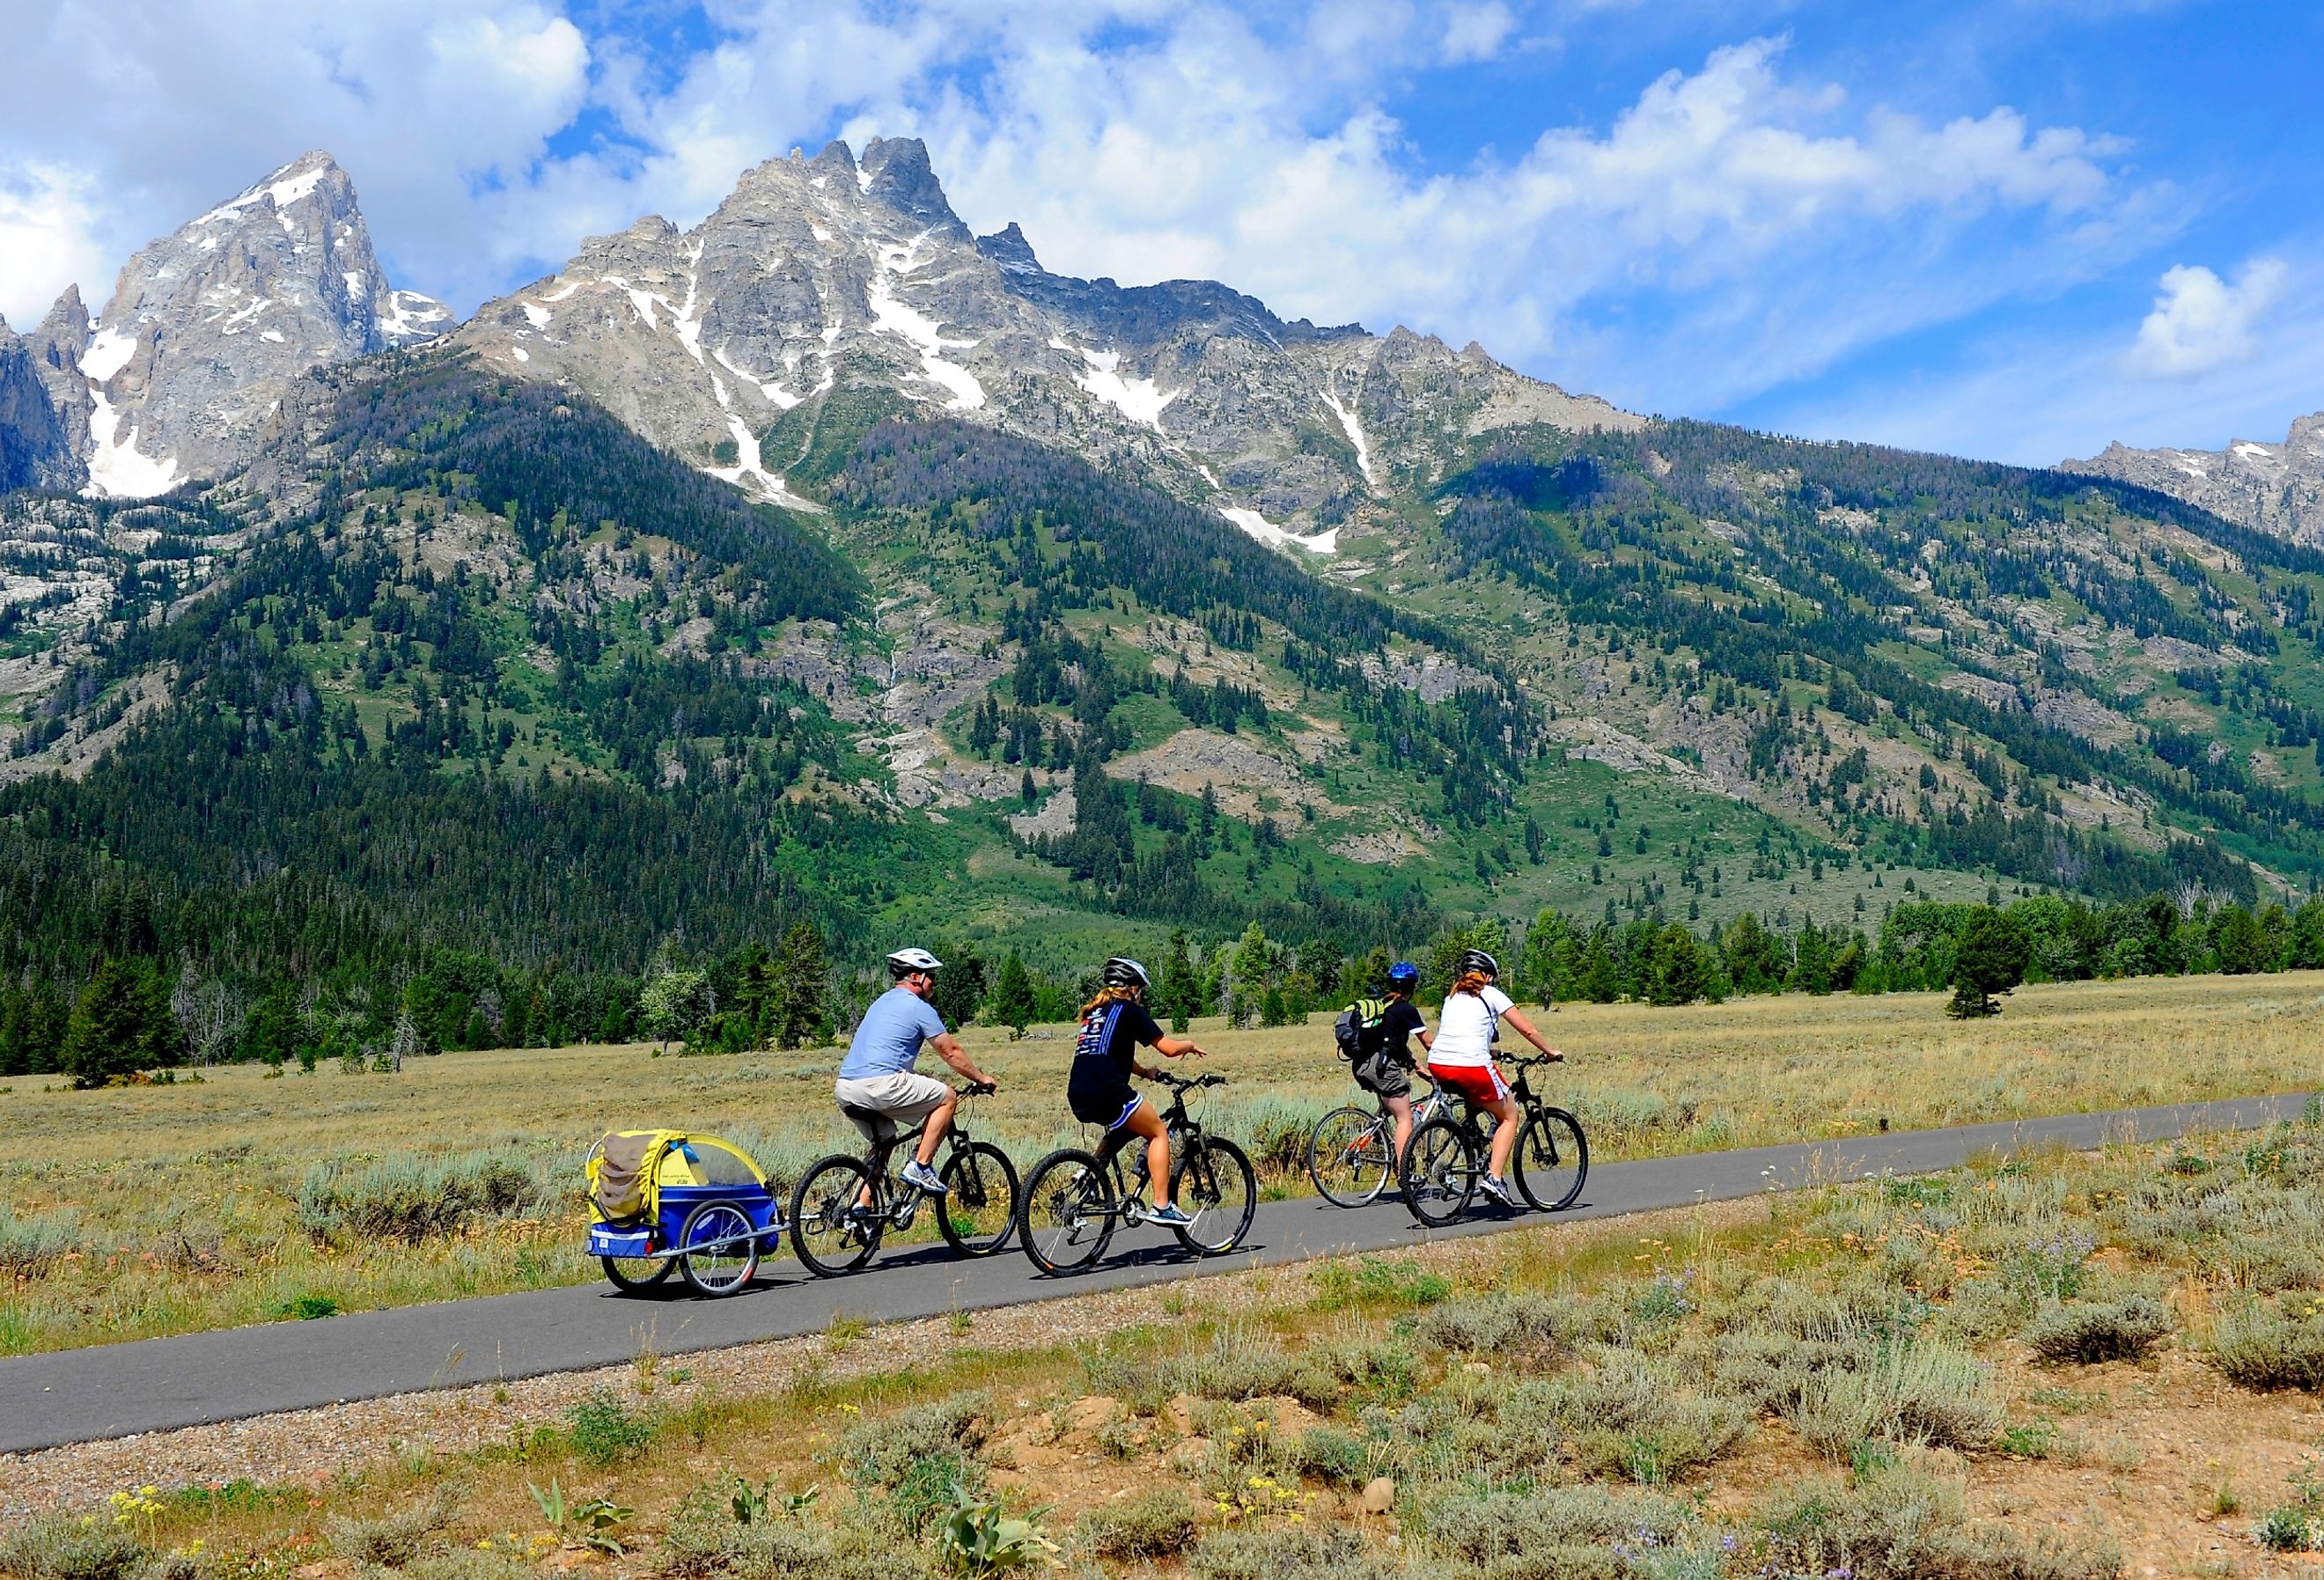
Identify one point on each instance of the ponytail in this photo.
(1111, 995)
(1473, 983)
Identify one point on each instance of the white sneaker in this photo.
(1494, 1186)
(1169, 1217)
(918, 1173)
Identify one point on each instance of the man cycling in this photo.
(1461, 1059)
(1114, 1025)
(1384, 1063)
(877, 1077)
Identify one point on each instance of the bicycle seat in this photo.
(862, 1115)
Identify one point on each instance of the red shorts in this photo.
(1479, 1083)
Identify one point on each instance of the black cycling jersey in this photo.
(1098, 1086)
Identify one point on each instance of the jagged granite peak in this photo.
(1008, 248)
(2277, 488)
(33, 452)
(207, 327)
(835, 278)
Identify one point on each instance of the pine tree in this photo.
(1181, 987)
(120, 1025)
(1013, 1003)
(1989, 959)
(801, 987)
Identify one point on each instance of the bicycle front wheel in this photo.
(1552, 1159)
(1347, 1156)
(978, 1212)
(1218, 1190)
(831, 1229)
(1440, 1171)
(730, 1253)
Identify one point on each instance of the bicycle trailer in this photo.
(660, 1198)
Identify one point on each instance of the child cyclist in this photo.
(1461, 1059)
(1114, 1025)
(1383, 1063)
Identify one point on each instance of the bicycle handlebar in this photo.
(1189, 1083)
(979, 1089)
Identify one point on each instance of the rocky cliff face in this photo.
(208, 327)
(829, 283)
(2276, 487)
(33, 448)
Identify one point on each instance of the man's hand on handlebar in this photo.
(985, 1088)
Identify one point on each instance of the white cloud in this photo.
(1475, 33)
(46, 240)
(2201, 322)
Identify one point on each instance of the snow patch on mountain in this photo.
(1139, 400)
(1355, 437)
(891, 317)
(1274, 537)
(116, 468)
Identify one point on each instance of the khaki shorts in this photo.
(901, 1100)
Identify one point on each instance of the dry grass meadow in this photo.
(165, 1209)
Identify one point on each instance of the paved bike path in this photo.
(114, 1390)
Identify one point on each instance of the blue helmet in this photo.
(1403, 973)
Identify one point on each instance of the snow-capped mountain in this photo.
(204, 330)
(2276, 487)
(820, 280)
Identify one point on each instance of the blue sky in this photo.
(2017, 228)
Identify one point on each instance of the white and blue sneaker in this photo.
(919, 1174)
(1494, 1186)
(1169, 1217)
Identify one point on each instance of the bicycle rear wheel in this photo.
(831, 1231)
(1440, 1171)
(633, 1273)
(732, 1256)
(1347, 1156)
(1067, 1214)
(1218, 1189)
(1552, 1159)
(978, 1211)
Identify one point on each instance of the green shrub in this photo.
(705, 1538)
(1486, 1324)
(1153, 1524)
(1911, 1393)
(71, 1547)
(2265, 1346)
(603, 1430)
(879, 1452)
(412, 1199)
(1635, 1417)
(392, 1541)
(2091, 1331)
(1902, 1523)
(31, 1246)
(1557, 1533)
(1334, 1457)
(1288, 1554)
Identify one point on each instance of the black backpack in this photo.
(1353, 1031)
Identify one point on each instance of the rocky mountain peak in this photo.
(207, 327)
(2277, 488)
(1008, 248)
(896, 172)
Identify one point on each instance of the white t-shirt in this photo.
(1466, 1026)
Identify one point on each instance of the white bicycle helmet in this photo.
(904, 962)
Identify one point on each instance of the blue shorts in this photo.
(1095, 1114)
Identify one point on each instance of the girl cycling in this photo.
(1114, 1025)
(1461, 1059)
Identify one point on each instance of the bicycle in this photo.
(1352, 1144)
(1445, 1158)
(845, 1204)
(1075, 1199)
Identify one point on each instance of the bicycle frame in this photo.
(899, 1207)
(1179, 1126)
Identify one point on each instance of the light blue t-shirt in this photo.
(888, 1039)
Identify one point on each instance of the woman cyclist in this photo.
(1114, 1025)
(1461, 1059)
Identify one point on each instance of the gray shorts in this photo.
(902, 1100)
(1383, 1075)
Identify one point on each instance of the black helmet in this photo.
(1477, 960)
(1121, 971)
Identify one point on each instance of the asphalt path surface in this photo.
(114, 1390)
